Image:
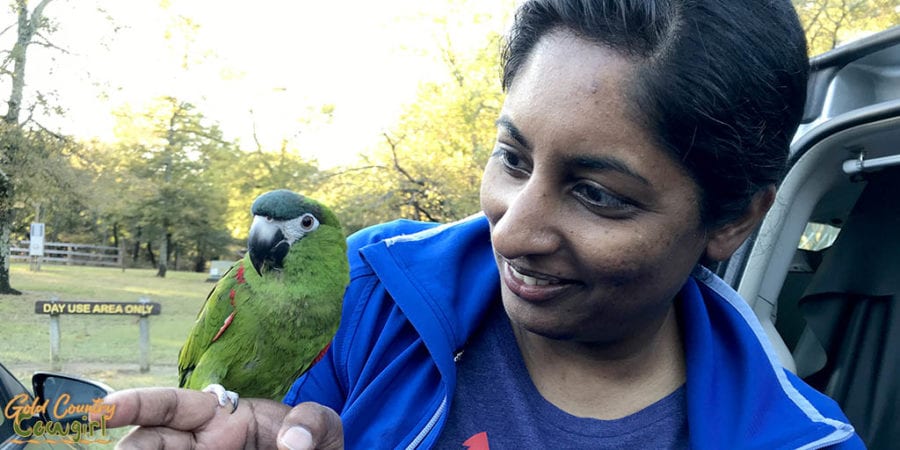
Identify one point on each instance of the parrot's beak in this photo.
(266, 245)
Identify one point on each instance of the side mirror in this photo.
(70, 399)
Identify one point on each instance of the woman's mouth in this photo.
(533, 286)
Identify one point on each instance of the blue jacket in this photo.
(417, 291)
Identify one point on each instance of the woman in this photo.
(637, 139)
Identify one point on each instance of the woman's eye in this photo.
(599, 198)
(511, 161)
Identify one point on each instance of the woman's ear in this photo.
(727, 238)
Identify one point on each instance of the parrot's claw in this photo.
(223, 396)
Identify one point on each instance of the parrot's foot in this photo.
(223, 396)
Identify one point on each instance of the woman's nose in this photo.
(528, 221)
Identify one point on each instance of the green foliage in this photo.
(829, 23)
(429, 166)
(46, 180)
(175, 161)
(171, 173)
(261, 171)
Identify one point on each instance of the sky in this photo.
(272, 64)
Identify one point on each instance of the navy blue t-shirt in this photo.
(496, 406)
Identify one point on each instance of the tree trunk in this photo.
(150, 254)
(163, 256)
(199, 264)
(115, 234)
(6, 217)
(19, 50)
(199, 260)
(136, 251)
(167, 181)
(25, 30)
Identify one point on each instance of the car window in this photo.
(818, 236)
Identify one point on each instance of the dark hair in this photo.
(720, 83)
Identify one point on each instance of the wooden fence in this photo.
(72, 254)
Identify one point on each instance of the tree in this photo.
(828, 23)
(5, 213)
(98, 215)
(429, 165)
(178, 201)
(260, 170)
(49, 183)
(27, 28)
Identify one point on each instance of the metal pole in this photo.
(144, 343)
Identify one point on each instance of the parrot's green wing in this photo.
(212, 320)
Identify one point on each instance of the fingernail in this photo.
(297, 438)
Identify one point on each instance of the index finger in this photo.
(180, 409)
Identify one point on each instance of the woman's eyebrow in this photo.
(506, 123)
(600, 163)
(603, 163)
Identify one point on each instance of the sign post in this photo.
(36, 246)
(144, 340)
(143, 308)
(54, 339)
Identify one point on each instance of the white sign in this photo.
(36, 246)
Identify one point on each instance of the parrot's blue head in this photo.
(280, 218)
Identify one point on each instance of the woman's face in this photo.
(594, 227)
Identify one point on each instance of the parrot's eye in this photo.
(308, 223)
(268, 218)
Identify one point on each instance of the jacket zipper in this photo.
(428, 426)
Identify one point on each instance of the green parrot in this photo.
(274, 313)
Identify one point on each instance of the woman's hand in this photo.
(181, 418)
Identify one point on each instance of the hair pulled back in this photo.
(721, 84)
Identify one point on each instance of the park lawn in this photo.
(101, 347)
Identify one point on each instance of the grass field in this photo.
(97, 341)
(103, 348)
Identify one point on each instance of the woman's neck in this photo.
(606, 381)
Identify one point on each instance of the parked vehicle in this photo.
(55, 415)
(823, 272)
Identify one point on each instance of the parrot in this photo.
(275, 311)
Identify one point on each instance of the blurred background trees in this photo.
(175, 191)
(829, 23)
(428, 166)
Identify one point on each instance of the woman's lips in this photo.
(532, 286)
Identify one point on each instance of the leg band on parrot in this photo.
(223, 396)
